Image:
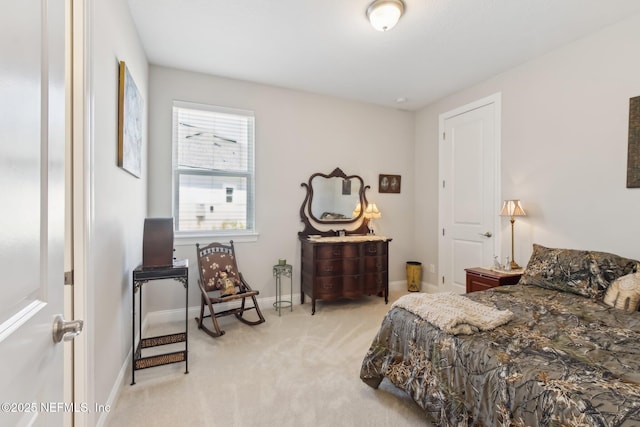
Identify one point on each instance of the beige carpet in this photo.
(293, 370)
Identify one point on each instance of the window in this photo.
(213, 170)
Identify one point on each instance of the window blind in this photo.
(213, 169)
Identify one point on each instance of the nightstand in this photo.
(479, 279)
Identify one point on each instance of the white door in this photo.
(469, 147)
(32, 148)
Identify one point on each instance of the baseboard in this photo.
(430, 288)
(122, 379)
(397, 285)
(177, 314)
(426, 287)
(115, 391)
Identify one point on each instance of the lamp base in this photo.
(514, 265)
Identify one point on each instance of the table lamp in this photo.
(512, 209)
(372, 212)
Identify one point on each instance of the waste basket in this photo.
(414, 276)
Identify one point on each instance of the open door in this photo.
(32, 165)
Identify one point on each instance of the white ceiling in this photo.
(328, 46)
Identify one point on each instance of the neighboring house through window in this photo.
(213, 170)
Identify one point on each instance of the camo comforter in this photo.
(563, 360)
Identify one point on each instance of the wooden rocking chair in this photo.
(221, 282)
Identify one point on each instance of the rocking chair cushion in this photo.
(236, 296)
(221, 282)
(217, 268)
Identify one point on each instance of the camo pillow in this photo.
(586, 273)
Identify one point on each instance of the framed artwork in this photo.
(346, 187)
(130, 110)
(389, 183)
(633, 156)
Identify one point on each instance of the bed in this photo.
(565, 358)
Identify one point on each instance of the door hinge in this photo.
(443, 183)
(443, 231)
(443, 280)
(68, 278)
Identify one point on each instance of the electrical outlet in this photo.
(432, 268)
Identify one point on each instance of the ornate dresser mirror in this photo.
(338, 258)
(333, 204)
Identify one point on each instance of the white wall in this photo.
(297, 134)
(564, 148)
(119, 199)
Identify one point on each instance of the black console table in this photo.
(179, 272)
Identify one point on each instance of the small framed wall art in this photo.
(389, 183)
(346, 187)
(130, 111)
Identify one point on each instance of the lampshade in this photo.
(512, 208)
(357, 210)
(372, 211)
(384, 14)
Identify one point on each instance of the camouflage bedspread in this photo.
(563, 360)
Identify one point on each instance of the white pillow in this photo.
(624, 293)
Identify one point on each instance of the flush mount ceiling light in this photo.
(384, 14)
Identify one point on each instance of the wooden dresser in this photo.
(344, 267)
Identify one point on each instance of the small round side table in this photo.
(280, 270)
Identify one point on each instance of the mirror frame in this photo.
(313, 225)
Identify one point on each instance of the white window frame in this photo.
(190, 237)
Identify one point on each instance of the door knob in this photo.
(66, 330)
(486, 234)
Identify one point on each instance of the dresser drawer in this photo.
(375, 282)
(336, 251)
(474, 285)
(328, 287)
(337, 267)
(375, 263)
(352, 286)
(375, 249)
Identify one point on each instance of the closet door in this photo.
(469, 208)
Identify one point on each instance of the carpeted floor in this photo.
(293, 370)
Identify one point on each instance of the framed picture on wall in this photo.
(633, 156)
(346, 187)
(130, 111)
(389, 183)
